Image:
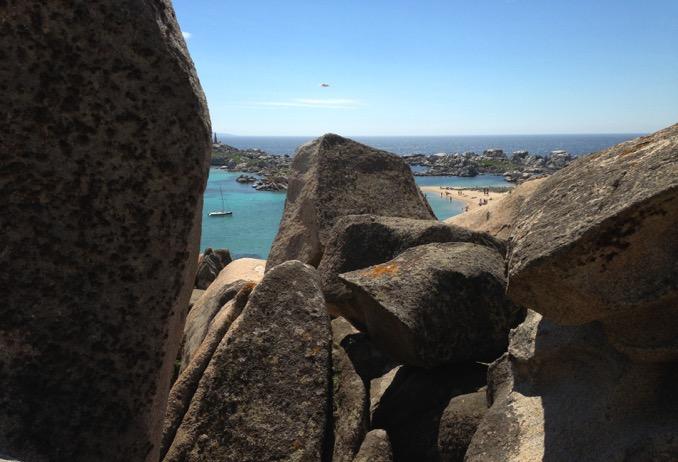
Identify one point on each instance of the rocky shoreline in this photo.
(518, 167)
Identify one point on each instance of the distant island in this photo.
(272, 170)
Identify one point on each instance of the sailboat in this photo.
(223, 212)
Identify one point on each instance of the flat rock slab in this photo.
(333, 177)
(436, 304)
(265, 393)
(598, 238)
(359, 241)
(105, 153)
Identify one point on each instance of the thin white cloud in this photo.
(187, 35)
(334, 103)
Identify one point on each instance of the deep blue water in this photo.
(256, 214)
(535, 144)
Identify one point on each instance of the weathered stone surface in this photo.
(359, 241)
(436, 304)
(497, 217)
(604, 228)
(203, 312)
(210, 263)
(231, 279)
(333, 177)
(349, 398)
(105, 153)
(458, 424)
(412, 401)
(571, 396)
(246, 269)
(195, 296)
(186, 384)
(368, 361)
(265, 393)
(375, 448)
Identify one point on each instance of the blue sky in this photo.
(435, 67)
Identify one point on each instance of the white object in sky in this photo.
(324, 85)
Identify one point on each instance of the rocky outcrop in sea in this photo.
(518, 167)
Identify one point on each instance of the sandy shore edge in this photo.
(470, 197)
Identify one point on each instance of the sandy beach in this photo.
(470, 197)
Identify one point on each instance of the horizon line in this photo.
(231, 135)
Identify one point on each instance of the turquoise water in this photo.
(251, 229)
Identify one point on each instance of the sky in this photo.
(432, 67)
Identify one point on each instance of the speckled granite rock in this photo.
(265, 393)
(375, 448)
(333, 177)
(359, 241)
(105, 153)
(187, 383)
(436, 304)
(597, 241)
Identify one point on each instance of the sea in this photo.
(251, 229)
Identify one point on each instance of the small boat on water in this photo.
(223, 212)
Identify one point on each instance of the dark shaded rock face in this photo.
(333, 177)
(411, 401)
(605, 228)
(375, 448)
(458, 424)
(349, 396)
(368, 361)
(105, 152)
(265, 393)
(211, 262)
(564, 393)
(436, 304)
(359, 241)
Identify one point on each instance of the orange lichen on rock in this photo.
(385, 269)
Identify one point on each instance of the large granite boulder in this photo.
(375, 448)
(436, 304)
(564, 393)
(408, 403)
(459, 423)
(498, 216)
(105, 153)
(210, 263)
(265, 393)
(605, 228)
(359, 241)
(332, 177)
